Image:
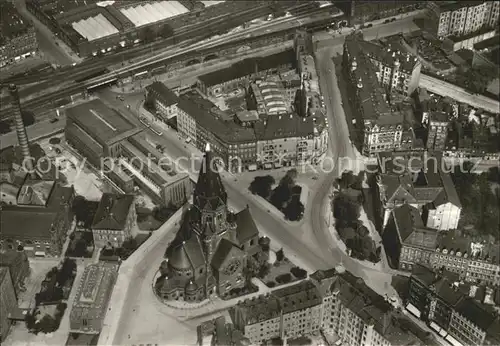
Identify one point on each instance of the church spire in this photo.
(209, 188)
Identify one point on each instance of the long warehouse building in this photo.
(117, 147)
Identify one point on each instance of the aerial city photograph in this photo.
(249, 172)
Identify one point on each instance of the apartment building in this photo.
(398, 71)
(17, 36)
(114, 220)
(334, 301)
(408, 242)
(437, 130)
(406, 239)
(462, 18)
(165, 100)
(418, 179)
(381, 126)
(436, 298)
(248, 141)
(472, 259)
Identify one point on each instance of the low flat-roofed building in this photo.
(96, 130)
(92, 297)
(154, 173)
(114, 220)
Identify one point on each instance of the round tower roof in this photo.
(191, 286)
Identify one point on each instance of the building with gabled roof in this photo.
(418, 179)
(165, 100)
(434, 296)
(334, 301)
(92, 297)
(114, 220)
(40, 221)
(382, 127)
(209, 253)
(406, 239)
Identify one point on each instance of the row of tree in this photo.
(346, 208)
(285, 197)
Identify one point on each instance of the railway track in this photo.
(52, 98)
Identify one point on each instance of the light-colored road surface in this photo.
(311, 240)
(443, 88)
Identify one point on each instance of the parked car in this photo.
(55, 120)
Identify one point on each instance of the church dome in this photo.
(179, 258)
(191, 287)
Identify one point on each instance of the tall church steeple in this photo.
(210, 197)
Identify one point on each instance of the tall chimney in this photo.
(22, 137)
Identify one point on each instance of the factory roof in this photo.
(247, 67)
(112, 212)
(105, 125)
(153, 12)
(94, 28)
(363, 73)
(212, 3)
(93, 294)
(270, 97)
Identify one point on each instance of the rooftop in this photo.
(112, 212)
(26, 223)
(167, 96)
(35, 192)
(93, 293)
(11, 23)
(94, 28)
(249, 66)
(298, 297)
(458, 243)
(375, 108)
(411, 228)
(270, 97)
(104, 124)
(153, 12)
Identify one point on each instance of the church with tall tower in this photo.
(210, 251)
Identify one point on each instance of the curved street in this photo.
(309, 240)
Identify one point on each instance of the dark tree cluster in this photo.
(163, 213)
(285, 197)
(346, 208)
(480, 198)
(47, 324)
(84, 211)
